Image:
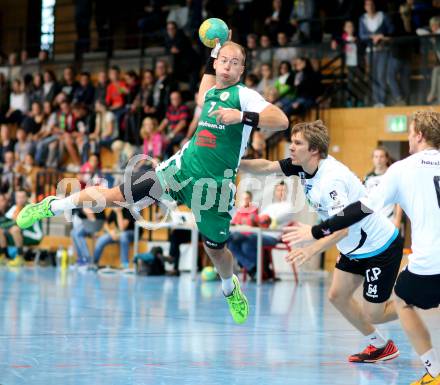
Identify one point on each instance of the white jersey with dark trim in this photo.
(332, 188)
(414, 183)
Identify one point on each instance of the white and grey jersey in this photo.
(328, 191)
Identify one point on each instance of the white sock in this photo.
(431, 362)
(227, 286)
(376, 339)
(59, 206)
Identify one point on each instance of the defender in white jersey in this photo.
(371, 251)
(414, 183)
(381, 161)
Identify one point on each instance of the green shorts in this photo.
(210, 201)
(26, 240)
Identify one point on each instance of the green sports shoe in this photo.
(35, 212)
(238, 303)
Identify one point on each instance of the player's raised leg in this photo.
(134, 189)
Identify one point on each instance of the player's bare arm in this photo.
(260, 166)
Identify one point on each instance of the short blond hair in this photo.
(316, 134)
(234, 45)
(428, 124)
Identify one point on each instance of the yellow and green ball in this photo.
(212, 29)
(209, 274)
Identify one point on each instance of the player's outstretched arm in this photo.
(272, 118)
(260, 166)
(208, 79)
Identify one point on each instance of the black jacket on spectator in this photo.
(161, 94)
(309, 86)
(100, 92)
(4, 149)
(30, 125)
(187, 59)
(4, 97)
(36, 95)
(69, 89)
(85, 95)
(53, 91)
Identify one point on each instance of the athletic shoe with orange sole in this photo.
(372, 354)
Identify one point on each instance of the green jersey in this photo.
(202, 174)
(216, 148)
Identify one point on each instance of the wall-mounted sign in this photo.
(397, 123)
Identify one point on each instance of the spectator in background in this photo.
(91, 173)
(43, 56)
(356, 87)
(85, 223)
(265, 53)
(64, 130)
(106, 128)
(252, 52)
(402, 46)
(17, 237)
(14, 70)
(374, 30)
(132, 119)
(434, 91)
(23, 146)
(7, 172)
(267, 80)
(284, 84)
(251, 81)
(153, 140)
(7, 144)
(4, 224)
(46, 152)
(4, 96)
(186, 63)
(50, 86)
(36, 93)
(116, 93)
(85, 92)
(69, 84)
(381, 162)
(415, 14)
(307, 85)
(32, 122)
(144, 100)
(119, 228)
(29, 171)
(257, 149)
(101, 87)
(163, 87)
(302, 20)
(246, 214)
(175, 124)
(18, 103)
(80, 134)
(275, 22)
(284, 52)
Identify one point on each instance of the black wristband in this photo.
(251, 118)
(318, 231)
(209, 68)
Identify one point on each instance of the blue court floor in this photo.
(83, 328)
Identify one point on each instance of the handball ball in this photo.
(264, 221)
(212, 29)
(209, 274)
